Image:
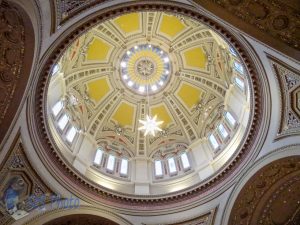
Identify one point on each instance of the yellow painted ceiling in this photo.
(171, 25)
(189, 95)
(124, 115)
(98, 50)
(109, 42)
(195, 57)
(98, 89)
(162, 115)
(128, 23)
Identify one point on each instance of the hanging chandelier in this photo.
(145, 69)
(150, 125)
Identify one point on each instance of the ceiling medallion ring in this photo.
(113, 196)
(145, 69)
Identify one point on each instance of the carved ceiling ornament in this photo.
(279, 20)
(271, 196)
(12, 54)
(20, 185)
(288, 80)
(63, 10)
(16, 34)
(92, 192)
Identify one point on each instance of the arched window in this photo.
(124, 167)
(213, 141)
(185, 161)
(231, 120)
(62, 122)
(98, 157)
(111, 163)
(57, 108)
(172, 165)
(223, 131)
(158, 168)
(71, 133)
(240, 83)
(232, 51)
(238, 67)
(55, 69)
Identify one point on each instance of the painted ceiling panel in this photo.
(162, 115)
(195, 57)
(171, 26)
(124, 115)
(98, 50)
(129, 23)
(98, 89)
(135, 65)
(189, 94)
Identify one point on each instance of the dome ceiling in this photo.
(142, 66)
(184, 66)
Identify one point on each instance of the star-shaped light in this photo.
(150, 125)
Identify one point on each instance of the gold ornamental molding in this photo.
(63, 10)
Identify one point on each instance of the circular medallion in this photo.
(145, 69)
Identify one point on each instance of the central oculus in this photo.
(145, 69)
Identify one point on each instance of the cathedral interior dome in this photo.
(153, 64)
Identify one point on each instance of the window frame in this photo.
(127, 167)
(55, 115)
(161, 168)
(216, 139)
(101, 157)
(62, 130)
(226, 130)
(233, 126)
(75, 135)
(241, 88)
(237, 68)
(188, 160)
(113, 170)
(172, 173)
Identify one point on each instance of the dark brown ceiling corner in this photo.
(275, 23)
(81, 219)
(17, 47)
(271, 196)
